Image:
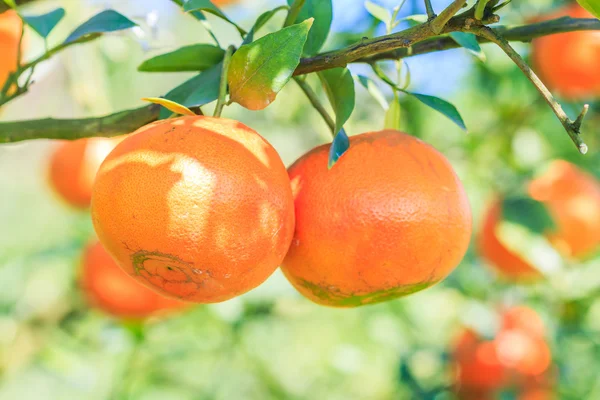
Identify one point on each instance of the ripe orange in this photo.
(389, 219)
(73, 167)
(517, 357)
(196, 208)
(568, 62)
(510, 264)
(110, 289)
(572, 197)
(224, 2)
(10, 32)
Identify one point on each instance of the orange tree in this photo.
(376, 216)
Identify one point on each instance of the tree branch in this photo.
(413, 41)
(572, 127)
(441, 20)
(116, 124)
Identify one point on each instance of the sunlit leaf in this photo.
(469, 42)
(208, 6)
(43, 24)
(393, 114)
(259, 70)
(171, 105)
(260, 22)
(373, 90)
(415, 19)
(196, 57)
(441, 106)
(322, 12)
(592, 6)
(197, 91)
(106, 21)
(339, 86)
(338, 147)
(379, 12)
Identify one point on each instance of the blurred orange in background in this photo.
(10, 33)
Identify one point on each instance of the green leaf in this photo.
(170, 105)
(261, 21)
(393, 115)
(208, 6)
(373, 90)
(106, 21)
(339, 86)
(592, 6)
(43, 24)
(469, 42)
(197, 91)
(379, 12)
(322, 12)
(441, 106)
(415, 19)
(196, 57)
(11, 3)
(259, 70)
(338, 147)
(527, 212)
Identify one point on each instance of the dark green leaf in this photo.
(339, 86)
(340, 144)
(321, 11)
(197, 91)
(592, 6)
(373, 90)
(441, 106)
(43, 24)
(259, 70)
(196, 57)
(527, 212)
(208, 6)
(469, 42)
(106, 21)
(260, 22)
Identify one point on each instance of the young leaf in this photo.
(259, 70)
(592, 6)
(527, 212)
(197, 91)
(338, 147)
(208, 6)
(379, 12)
(43, 24)
(261, 21)
(171, 105)
(392, 116)
(322, 12)
(196, 57)
(415, 19)
(105, 21)
(373, 90)
(339, 86)
(441, 106)
(469, 42)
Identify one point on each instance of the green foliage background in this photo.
(271, 343)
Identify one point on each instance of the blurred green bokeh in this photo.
(271, 343)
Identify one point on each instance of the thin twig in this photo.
(314, 100)
(429, 8)
(441, 20)
(572, 127)
(293, 13)
(223, 84)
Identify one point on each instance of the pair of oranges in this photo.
(202, 209)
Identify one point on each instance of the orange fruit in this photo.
(389, 219)
(517, 357)
(10, 32)
(572, 197)
(73, 166)
(108, 288)
(196, 208)
(568, 62)
(510, 264)
(224, 2)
